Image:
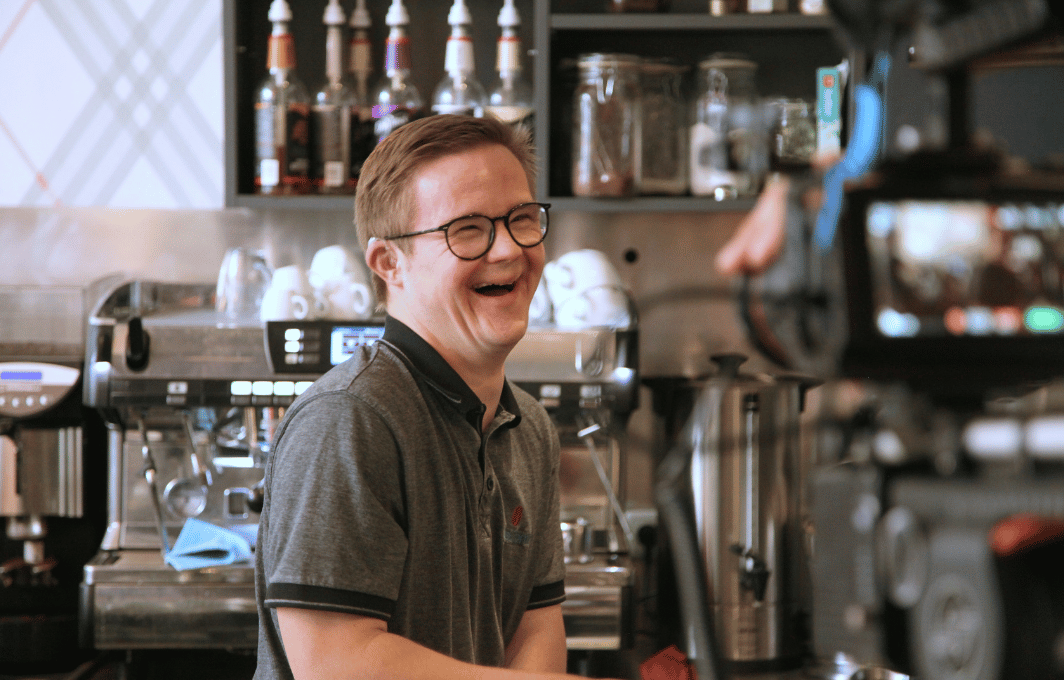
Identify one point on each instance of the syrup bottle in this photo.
(282, 109)
(510, 99)
(397, 100)
(331, 113)
(359, 70)
(459, 92)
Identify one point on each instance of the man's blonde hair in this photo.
(385, 204)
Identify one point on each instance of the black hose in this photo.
(676, 514)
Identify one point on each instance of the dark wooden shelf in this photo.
(647, 204)
(697, 22)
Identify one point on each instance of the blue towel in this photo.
(202, 544)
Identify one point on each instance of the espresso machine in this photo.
(191, 396)
(190, 401)
(51, 473)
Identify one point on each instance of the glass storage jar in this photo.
(793, 136)
(606, 126)
(728, 157)
(664, 147)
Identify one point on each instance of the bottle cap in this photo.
(508, 16)
(360, 16)
(459, 14)
(279, 11)
(397, 14)
(334, 14)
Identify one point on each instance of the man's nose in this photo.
(504, 245)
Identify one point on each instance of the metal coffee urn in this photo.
(742, 456)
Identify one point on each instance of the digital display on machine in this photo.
(965, 268)
(345, 340)
(22, 375)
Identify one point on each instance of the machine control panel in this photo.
(316, 346)
(30, 388)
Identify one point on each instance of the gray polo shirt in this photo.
(383, 499)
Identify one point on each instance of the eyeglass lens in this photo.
(471, 237)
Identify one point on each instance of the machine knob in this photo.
(257, 496)
(137, 345)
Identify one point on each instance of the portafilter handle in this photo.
(151, 473)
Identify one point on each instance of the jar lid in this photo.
(663, 65)
(727, 60)
(608, 60)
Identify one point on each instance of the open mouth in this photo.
(495, 289)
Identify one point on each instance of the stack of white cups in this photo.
(585, 291)
(335, 287)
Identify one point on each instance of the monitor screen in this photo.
(956, 268)
(344, 340)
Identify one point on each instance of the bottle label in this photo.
(297, 139)
(281, 52)
(363, 139)
(269, 172)
(332, 129)
(509, 55)
(397, 54)
(514, 115)
(390, 120)
(458, 109)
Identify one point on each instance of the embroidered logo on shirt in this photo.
(515, 518)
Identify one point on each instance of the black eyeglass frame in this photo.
(545, 207)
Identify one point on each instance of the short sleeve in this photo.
(335, 537)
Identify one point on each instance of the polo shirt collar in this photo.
(435, 370)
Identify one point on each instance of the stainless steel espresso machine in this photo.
(51, 456)
(191, 399)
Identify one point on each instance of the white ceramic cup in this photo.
(290, 296)
(540, 312)
(349, 298)
(331, 263)
(279, 304)
(577, 271)
(595, 307)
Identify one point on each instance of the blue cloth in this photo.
(202, 544)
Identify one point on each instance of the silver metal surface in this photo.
(41, 472)
(746, 481)
(134, 600)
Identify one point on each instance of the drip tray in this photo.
(131, 599)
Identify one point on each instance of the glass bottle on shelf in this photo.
(510, 99)
(727, 130)
(397, 100)
(459, 92)
(331, 113)
(282, 111)
(607, 131)
(359, 71)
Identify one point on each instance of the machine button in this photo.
(293, 346)
(262, 388)
(284, 388)
(240, 388)
(550, 391)
(177, 387)
(29, 401)
(302, 386)
(292, 334)
(44, 400)
(16, 402)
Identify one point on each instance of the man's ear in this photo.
(383, 260)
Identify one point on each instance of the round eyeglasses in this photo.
(470, 237)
